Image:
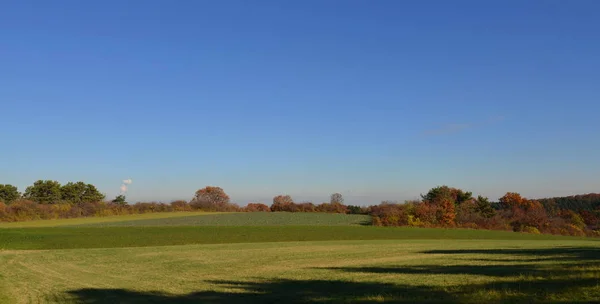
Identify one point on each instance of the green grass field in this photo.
(246, 219)
(195, 263)
(201, 219)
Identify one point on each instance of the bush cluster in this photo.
(450, 207)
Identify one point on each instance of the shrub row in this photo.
(26, 210)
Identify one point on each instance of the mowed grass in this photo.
(99, 220)
(112, 237)
(245, 219)
(373, 271)
(261, 258)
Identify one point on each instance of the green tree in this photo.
(120, 199)
(44, 192)
(91, 194)
(484, 207)
(442, 193)
(80, 192)
(9, 193)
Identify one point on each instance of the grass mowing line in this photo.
(248, 219)
(114, 237)
(105, 219)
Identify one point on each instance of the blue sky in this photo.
(374, 99)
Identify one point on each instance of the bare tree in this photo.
(337, 198)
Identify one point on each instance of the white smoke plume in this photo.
(124, 185)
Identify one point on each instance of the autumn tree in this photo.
(44, 192)
(426, 213)
(389, 214)
(9, 193)
(590, 218)
(180, 205)
(572, 218)
(257, 207)
(522, 212)
(282, 203)
(514, 200)
(446, 198)
(332, 208)
(447, 212)
(212, 198)
(305, 207)
(510, 200)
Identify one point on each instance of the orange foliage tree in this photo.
(283, 203)
(257, 207)
(445, 199)
(212, 198)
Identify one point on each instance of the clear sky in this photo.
(374, 99)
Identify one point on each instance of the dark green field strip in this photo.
(247, 219)
(111, 237)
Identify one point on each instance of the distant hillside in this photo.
(589, 202)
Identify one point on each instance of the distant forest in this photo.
(577, 203)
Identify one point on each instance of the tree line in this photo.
(52, 192)
(442, 206)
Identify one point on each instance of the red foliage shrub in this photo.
(535, 216)
(387, 214)
(496, 222)
(334, 207)
(572, 217)
(591, 219)
(427, 213)
(257, 207)
(180, 205)
(305, 207)
(22, 210)
(283, 203)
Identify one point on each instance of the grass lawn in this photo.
(389, 271)
(112, 237)
(287, 258)
(201, 219)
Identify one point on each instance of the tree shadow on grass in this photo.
(566, 258)
(575, 278)
(575, 274)
(320, 291)
(280, 291)
(558, 254)
(486, 270)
